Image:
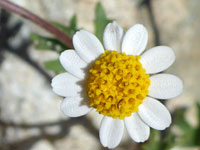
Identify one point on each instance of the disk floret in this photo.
(117, 84)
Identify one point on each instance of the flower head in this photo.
(118, 82)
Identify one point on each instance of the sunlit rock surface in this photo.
(178, 23)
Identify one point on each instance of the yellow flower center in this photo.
(117, 84)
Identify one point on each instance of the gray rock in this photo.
(26, 97)
(178, 24)
(78, 139)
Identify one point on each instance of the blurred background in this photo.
(30, 116)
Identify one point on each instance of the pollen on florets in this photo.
(117, 84)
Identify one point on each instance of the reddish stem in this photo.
(37, 20)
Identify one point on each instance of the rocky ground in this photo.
(30, 117)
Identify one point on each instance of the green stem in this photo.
(37, 20)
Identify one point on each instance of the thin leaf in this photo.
(190, 135)
(154, 141)
(69, 30)
(100, 21)
(73, 23)
(198, 113)
(54, 65)
(46, 43)
(157, 143)
(180, 120)
(168, 142)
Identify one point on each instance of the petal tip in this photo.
(157, 59)
(167, 126)
(142, 140)
(135, 40)
(61, 57)
(165, 86)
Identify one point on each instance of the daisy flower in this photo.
(120, 81)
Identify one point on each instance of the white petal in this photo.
(66, 84)
(136, 128)
(154, 114)
(75, 106)
(111, 132)
(112, 36)
(135, 40)
(165, 86)
(87, 46)
(73, 63)
(157, 59)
